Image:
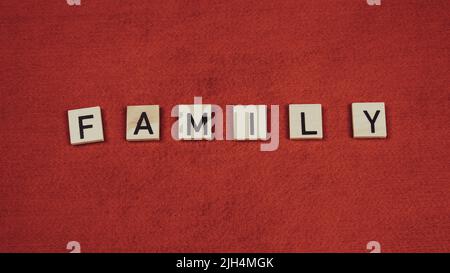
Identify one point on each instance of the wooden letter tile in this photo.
(194, 122)
(250, 122)
(85, 125)
(305, 121)
(142, 122)
(369, 120)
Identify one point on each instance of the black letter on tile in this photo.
(372, 121)
(197, 127)
(252, 124)
(82, 126)
(139, 126)
(304, 132)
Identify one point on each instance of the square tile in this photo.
(250, 122)
(305, 121)
(142, 122)
(85, 125)
(195, 122)
(369, 120)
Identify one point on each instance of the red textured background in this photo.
(331, 195)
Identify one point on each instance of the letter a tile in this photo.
(142, 122)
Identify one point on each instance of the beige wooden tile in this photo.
(250, 122)
(194, 122)
(85, 125)
(369, 120)
(305, 121)
(142, 122)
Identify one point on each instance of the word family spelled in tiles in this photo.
(142, 123)
(245, 122)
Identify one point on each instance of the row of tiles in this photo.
(248, 122)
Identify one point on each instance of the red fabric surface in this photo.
(330, 195)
